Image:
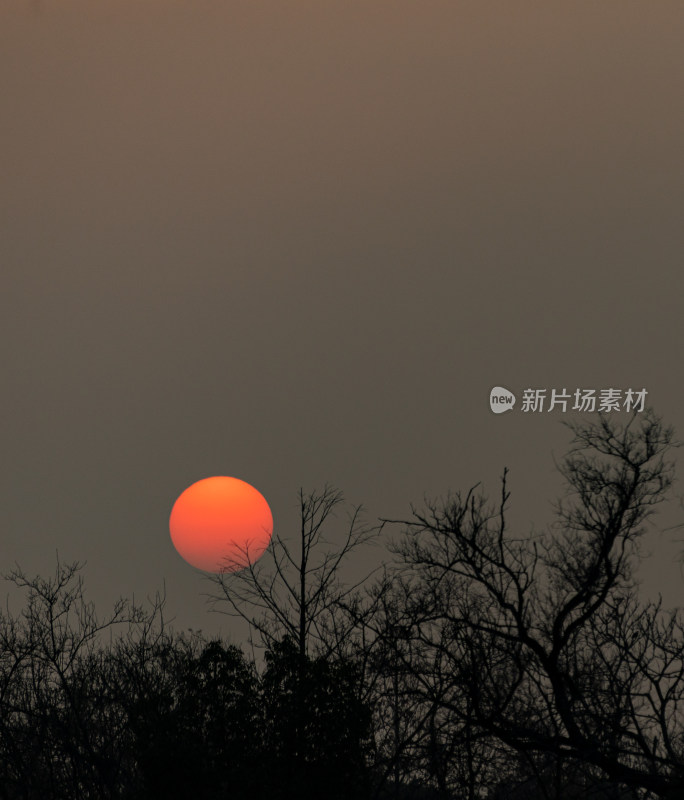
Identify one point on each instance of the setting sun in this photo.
(221, 524)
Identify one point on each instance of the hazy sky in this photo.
(298, 243)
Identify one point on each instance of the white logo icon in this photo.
(501, 400)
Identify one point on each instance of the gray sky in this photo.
(299, 242)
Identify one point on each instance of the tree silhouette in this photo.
(152, 713)
(320, 751)
(548, 647)
(197, 721)
(481, 664)
(293, 601)
(297, 591)
(58, 734)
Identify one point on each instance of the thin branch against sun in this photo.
(300, 584)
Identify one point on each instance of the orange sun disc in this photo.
(221, 524)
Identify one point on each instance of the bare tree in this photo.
(291, 598)
(547, 647)
(296, 592)
(59, 734)
(420, 743)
